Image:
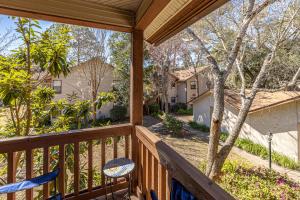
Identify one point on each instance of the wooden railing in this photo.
(12, 147)
(158, 163)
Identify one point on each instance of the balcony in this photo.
(156, 163)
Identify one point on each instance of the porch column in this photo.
(136, 92)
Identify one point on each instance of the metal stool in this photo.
(118, 168)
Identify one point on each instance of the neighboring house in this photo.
(275, 112)
(77, 83)
(183, 86)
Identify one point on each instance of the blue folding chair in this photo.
(32, 183)
(178, 192)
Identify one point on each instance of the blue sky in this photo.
(7, 23)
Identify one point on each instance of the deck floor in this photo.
(117, 195)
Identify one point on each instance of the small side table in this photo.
(118, 168)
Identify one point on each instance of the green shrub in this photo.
(118, 113)
(154, 108)
(244, 182)
(263, 152)
(185, 112)
(172, 124)
(177, 106)
(200, 127)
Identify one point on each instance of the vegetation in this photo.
(200, 127)
(178, 106)
(172, 124)
(185, 111)
(263, 152)
(246, 182)
(154, 108)
(118, 113)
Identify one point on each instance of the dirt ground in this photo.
(192, 147)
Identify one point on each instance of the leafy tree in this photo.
(120, 56)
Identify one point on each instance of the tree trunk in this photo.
(225, 150)
(216, 120)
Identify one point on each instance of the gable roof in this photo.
(185, 74)
(262, 99)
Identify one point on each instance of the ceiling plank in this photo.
(191, 13)
(145, 16)
(72, 12)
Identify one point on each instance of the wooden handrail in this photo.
(75, 137)
(175, 166)
(52, 139)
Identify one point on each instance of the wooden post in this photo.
(136, 91)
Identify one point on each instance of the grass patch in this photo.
(261, 151)
(185, 111)
(200, 127)
(245, 182)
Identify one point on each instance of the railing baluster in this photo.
(149, 173)
(162, 182)
(90, 165)
(155, 175)
(62, 169)
(45, 171)
(11, 172)
(139, 164)
(127, 146)
(115, 141)
(103, 154)
(115, 149)
(29, 193)
(76, 168)
(144, 166)
(168, 184)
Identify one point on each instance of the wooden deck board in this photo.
(117, 195)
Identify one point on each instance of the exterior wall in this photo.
(202, 110)
(202, 87)
(191, 93)
(181, 92)
(281, 120)
(76, 82)
(172, 91)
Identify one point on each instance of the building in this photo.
(183, 86)
(275, 112)
(78, 83)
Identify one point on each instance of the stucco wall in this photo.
(181, 92)
(281, 120)
(172, 91)
(201, 109)
(76, 82)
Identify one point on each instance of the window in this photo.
(173, 99)
(193, 85)
(173, 84)
(57, 86)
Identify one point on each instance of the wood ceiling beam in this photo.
(191, 13)
(72, 12)
(147, 12)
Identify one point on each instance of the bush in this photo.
(200, 127)
(118, 113)
(244, 181)
(172, 124)
(185, 112)
(154, 108)
(263, 152)
(177, 106)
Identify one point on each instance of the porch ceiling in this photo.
(160, 19)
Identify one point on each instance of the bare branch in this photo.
(210, 58)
